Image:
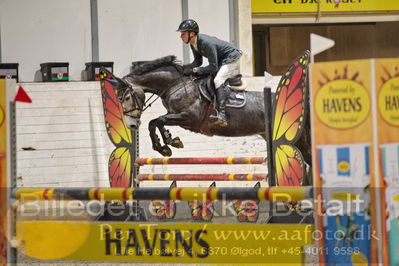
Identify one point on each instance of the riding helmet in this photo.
(188, 25)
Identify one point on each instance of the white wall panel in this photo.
(61, 136)
(133, 30)
(34, 32)
(212, 17)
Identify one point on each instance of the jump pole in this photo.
(201, 177)
(283, 194)
(201, 160)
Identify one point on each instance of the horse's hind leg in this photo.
(167, 138)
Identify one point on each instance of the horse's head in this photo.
(132, 100)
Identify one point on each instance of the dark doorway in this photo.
(275, 46)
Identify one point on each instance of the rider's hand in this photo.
(188, 71)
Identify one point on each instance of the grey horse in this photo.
(185, 105)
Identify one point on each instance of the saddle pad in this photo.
(236, 99)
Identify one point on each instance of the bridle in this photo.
(137, 105)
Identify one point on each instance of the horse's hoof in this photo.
(176, 142)
(166, 151)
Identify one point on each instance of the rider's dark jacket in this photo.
(218, 53)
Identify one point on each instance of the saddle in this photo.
(235, 91)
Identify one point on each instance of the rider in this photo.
(223, 60)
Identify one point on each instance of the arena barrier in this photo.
(286, 194)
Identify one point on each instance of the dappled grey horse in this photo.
(186, 106)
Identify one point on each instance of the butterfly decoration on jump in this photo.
(202, 210)
(164, 209)
(247, 211)
(289, 113)
(119, 163)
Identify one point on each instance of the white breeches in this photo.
(227, 71)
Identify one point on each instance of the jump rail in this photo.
(202, 177)
(285, 194)
(202, 160)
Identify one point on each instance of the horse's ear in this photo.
(117, 83)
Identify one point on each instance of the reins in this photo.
(162, 94)
(149, 105)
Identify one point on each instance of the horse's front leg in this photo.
(179, 119)
(156, 144)
(167, 138)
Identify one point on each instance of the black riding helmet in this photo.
(188, 25)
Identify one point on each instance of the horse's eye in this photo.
(127, 98)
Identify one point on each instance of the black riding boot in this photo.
(220, 118)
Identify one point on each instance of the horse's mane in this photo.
(142, 67)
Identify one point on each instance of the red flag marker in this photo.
(22, 96)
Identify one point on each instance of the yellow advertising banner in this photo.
(387, 97)
(387, 79)
(3, 171)
(341, 102)
(343, 157)
(291, 6)
(166, 242)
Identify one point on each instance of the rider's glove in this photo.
(187, 71)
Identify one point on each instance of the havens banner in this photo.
(387, 97)
(342, 102)
(166, 242)
(289, 6)
(342, 139)
(355, 123)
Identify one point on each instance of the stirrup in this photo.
(214, 116)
